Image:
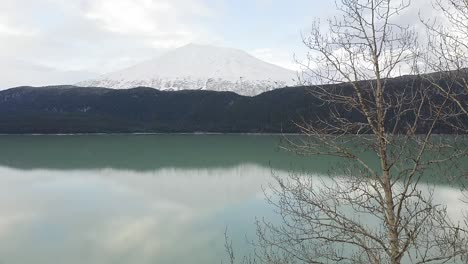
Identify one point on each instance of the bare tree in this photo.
(368, 213)
(447, 55)
(447, 52)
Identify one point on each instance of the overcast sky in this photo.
(65, 41)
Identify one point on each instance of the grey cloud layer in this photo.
(91, 35)
(62, 41)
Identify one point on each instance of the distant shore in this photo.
(149, 134)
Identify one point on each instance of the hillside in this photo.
(83, 110)
(70, 109)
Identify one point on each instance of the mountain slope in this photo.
(70, 109)
(194, 67)
(99, 110)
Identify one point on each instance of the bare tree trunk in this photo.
(354, 68)
(353, 63)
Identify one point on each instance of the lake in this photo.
(141, 198)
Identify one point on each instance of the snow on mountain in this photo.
(200, 67)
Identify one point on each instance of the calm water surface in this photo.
(139, 198)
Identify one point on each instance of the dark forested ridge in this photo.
(70, 109)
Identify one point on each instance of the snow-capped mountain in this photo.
(200, 67)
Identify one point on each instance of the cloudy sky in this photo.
(66, 41)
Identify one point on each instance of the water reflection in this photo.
(118, 216)
(149, 152)
(119, 199)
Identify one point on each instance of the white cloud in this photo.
(275, 56)
(8, 30)
(67, 37)
(19, 73)
(129, 17)
(162, 23)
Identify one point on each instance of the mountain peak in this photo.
(207, 50)
(200, 46)
(196, 66)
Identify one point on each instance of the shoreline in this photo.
(149, 134)
(182, 133)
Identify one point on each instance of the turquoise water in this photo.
(140, 198)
